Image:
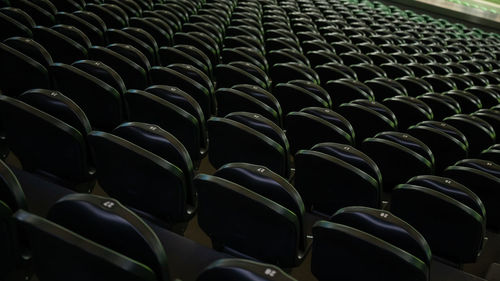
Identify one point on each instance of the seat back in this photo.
(88, 215)
(242, 270)
(51, 245)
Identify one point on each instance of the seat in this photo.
(201, 41)
(456, 229)
(12, 27)
(62, 48)
(228, 75)
(18, 15)
(17, 66)
(235, 141)
(346, 90)
(242, 270)
(198, 76)
(247, 54)
(63, 159)
(285, 56)
(109, 16)
(491, 116)
(440, 83)
(136, 76)
(366, 71)
(59, 106)
(101, 102)
(293, 97)
(488, 96)
(51, 244)
(187, 103)
(479, 133)
(102, 72)
(68, 5)
(390, 149)
(95, 35)
(368, 118)
(482, 183)
(334, 71)
(383, 88)
(233, 100)
(130, 36)
(358, 235)
(284, 72)
(73, 33)
(357, 179)
(263, 96)
(151, 108)
(171, 55)
(491, 153)
(30, 48)
(168, 76)
(125, 166)
(314, 125)
(447, 143)
(415, 86)
(39, 14)
(321, 57)
(254, 70)
(252, 192)
(409, 110)
(442, 106)
(12, 198)
(468, 102)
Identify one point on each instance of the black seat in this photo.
(73, 33)
(357, 178)
(359, 235)
(61, 47)
(242, 270)
(61, 154)
(59, 106)
(102, 72)
(101, 102)
(111, 19)
(252, 192)
(383, 88)
(12, 198)
(39, 14)
(314, 125)
(254, 70)
(187, 103)
(151, 108)
(51, 245)
(408, 110)
(284, 72)
(171, 55)
(232, 100)
(248, 141)
(228, 75)
(442, 106)
(293, 97)
(334, 71)
(479, 133)
(128, 37)
(415, 86)
(489, 97)
(368, 118)
(263, 96)
(30, 48)
(132, 53)
(201, 41)
(12, 27)
(125, 166)
(468, 102)
(390, 149)
(453, 221)
(481, 182)
(168, 76)
(135, 76)
(18, 66)
(18, 15)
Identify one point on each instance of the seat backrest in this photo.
(51, 245)
(247, 224)
(103, 220)
(61, 151)
(124, 168)
(339, 251)
(242, 270)
(163, 144)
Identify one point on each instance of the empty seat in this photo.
(30, 48)
(453, 221)
(251, 142)
(383, 88)
(253, 200)
(346, 90)
(357, 236)
(284, 72)
(408, 110)
(228, 75)
(467, 101)
(18, 66)
(12, 198)
(314, 125)
(125, 166)
(62, 48)
(12, 27)
(442, 106)
(242, 270)
(330, 176)
(63, 158)
(478, 179)
(135, 76)
(390, 149)
(101, 102)
(479, 133)
(293, 97)
(150, 108)
(368, 118)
